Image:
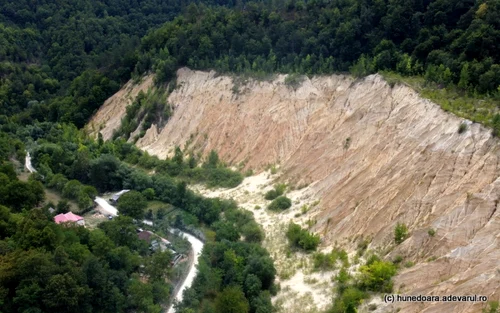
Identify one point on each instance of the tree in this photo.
(72, 189)
(63, 293)
(58, 182)
(161, 213)
(6, 223)
(62, 206)
(232, 300)
(262, 303)
(213, 160)
(104, 173)
(141, 296)
(158, 265)
(225, 230)
(149, 193)
(132, 204)
(252, 286)
(252, 232)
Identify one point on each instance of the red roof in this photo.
(68, 217)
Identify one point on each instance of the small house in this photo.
(69, 217)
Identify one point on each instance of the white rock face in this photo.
(375, 156)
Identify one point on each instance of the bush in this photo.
(324, 261)
(493, 307)
(377, 276)
(132, 204)
(400, 233)
(280, 203)
(348, 300)
(271, 195)
(301, 238)
(327, 261)
(148, 193)
(431, 232)
(215, 177)
(276, 192)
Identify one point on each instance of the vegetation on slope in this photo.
(66, 159)
(446, 41)
(59, 62)
(448, 47)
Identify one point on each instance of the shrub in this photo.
(294, 80)
(280, 203)
(327, 261)
(398, 259)
(149, 193)
(493, 307)
(400, 233)
(348, 300)
(376, 276)
(431, 232)
(276, 192)
(301, 238)
(271, 195)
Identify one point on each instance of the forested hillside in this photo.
(60, 61)
(450, 42)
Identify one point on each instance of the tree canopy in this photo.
(132, 204)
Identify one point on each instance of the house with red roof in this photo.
(69, 217)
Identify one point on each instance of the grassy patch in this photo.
(477, 108)
(54, 197)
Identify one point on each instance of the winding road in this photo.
(196, 244)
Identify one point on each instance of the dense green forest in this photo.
(45, 267)
(448, 42)
(111, 266)
(60, 61)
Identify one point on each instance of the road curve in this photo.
(196, 244)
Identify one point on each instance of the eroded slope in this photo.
(373, 154)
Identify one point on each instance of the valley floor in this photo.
(302, 290)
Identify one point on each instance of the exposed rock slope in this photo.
(375, 155)
(109, 116)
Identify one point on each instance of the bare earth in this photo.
(373, 155)
(302, 291)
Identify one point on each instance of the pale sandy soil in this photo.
(302, 291)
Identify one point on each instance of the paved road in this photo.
(27, 162)
(108, 208)
(196, 244)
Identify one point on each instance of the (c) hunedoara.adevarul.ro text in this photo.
(391, 298)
